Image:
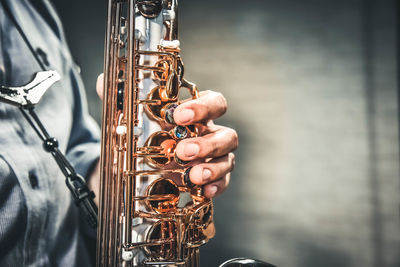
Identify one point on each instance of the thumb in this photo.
(100, 85)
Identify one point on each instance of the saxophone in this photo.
(150, 214)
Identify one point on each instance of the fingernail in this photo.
(191, 150)
(186, 115)
(213, 190)
(206, 175)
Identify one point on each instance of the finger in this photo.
(205, 173)
(210, 105)
(100, 85)
(212, 145)
(216, 188)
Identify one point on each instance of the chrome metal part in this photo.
(30, 94)
(150, 213)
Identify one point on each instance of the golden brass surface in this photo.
(150, 214)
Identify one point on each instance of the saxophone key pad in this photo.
(181, 132)
(169, 113)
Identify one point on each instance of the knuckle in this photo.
(227, 179)
(223, 104)
(235, 138)
(231, 161)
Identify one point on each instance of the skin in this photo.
(210, 153)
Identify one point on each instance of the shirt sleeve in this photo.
(83, 148)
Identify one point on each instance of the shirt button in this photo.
(33, 179)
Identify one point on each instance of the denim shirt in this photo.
(39, 223)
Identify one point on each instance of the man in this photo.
(39, 223)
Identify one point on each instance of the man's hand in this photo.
(213, 148)
(211, 152)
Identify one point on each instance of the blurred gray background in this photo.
(312, 89)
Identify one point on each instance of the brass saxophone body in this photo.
(149, 214)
